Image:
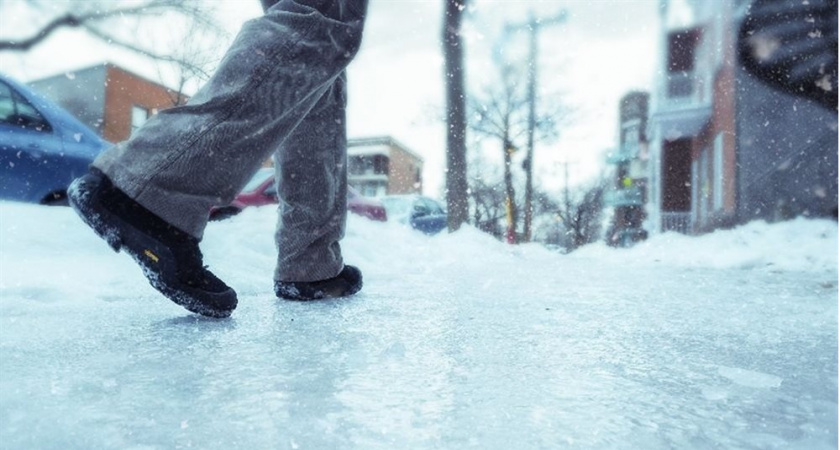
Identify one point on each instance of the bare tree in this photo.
(487, 195)
(580, 216)
(456, 115)
(116, 23)
(496, 112)
(195, 60)
(501, 112)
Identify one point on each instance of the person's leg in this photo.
(312, 187)
(157, 188)
(187, 159)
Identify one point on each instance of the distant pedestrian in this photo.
(281, 90)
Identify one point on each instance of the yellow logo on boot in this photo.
(151, 255)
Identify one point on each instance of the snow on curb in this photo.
(796, 245)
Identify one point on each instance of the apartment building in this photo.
(628, 193)
(724, 147)
(380, 166)
(109, 99)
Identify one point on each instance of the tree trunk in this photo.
(456, 116)
(510, 193)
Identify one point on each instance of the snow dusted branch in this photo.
(96, 18)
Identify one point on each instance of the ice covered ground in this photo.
(723, 341)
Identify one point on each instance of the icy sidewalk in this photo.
(457, 341)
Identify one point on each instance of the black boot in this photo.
(170, 258)
(346, 283)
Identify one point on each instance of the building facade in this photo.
(725, 148)
(110, 100)
(628, 193)
(380, 166)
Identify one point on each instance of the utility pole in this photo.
(566, 200)
(567, 203)
(533, 25)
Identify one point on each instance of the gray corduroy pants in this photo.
(280, 89)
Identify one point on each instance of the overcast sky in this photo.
(604, 49)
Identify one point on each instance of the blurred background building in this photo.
(109, 99)
(726, 148)
(383, 166)
(628, 191)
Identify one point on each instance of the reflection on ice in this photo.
(456, 341)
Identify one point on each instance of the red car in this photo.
(261, 191)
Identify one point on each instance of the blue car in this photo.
(42, 147)
(421, 213)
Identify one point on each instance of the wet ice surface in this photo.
(455, 341)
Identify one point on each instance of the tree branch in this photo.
(72, 20)
(165, 58)
(67, 20)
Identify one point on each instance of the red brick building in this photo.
(724, 147)
(109, 99)
(383, 166)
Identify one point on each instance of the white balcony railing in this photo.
(683, 103)
(676, 221)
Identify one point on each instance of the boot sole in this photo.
(288, 291)
(154, 260)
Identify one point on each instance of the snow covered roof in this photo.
(372, 150)
(376, 145)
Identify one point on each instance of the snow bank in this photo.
(797, 245)
(49, 249)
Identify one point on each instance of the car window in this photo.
(258, 179)
(271, 190)
(434, 207)
(16, 111)
(397, 206)
(421, 206)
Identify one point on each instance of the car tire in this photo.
(56, 199)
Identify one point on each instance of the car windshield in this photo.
(258, 179)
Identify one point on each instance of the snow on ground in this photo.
(727, 340)
(796, 245)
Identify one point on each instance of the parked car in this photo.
(42, 146)
(421, 213)
(261, 190)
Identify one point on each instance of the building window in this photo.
(380, 165)
(139, 115)
(718, 172)
(682, 46)
(682, 49)
(357, 165)
(371, 189)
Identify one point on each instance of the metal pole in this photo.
(533, 27)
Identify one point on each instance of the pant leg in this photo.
(312, 187)
(189, 158)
